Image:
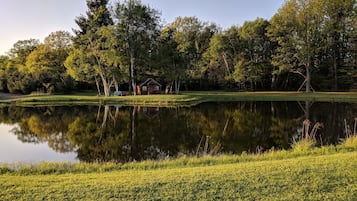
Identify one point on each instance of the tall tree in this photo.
(338, 29)
(46, 63)
(137, 28)
(222, 56)
(254, 65)
(19, 52)
(193, 38)
(18, 80)
(169, 60)
(94, 48)
(354, 52)
(297, 30)
(4, 61)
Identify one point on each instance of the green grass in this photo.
(303, 173)
(332, 177)
(186, 98)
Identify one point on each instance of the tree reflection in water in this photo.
(122, 134)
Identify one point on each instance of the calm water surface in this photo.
(122, 134)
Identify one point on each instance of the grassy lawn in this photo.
(186, 98)
(304, 173)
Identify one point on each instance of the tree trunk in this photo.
(130, 88)
(226, 64)
(106, 86)
(177, 86)
(273, 82)
(132, 78)
(97, 84)
(116, 85)
(308, 77)
(335, 87)
(101, 72)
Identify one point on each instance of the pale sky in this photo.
(25, 19)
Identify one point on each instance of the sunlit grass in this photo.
(326, 177)
(185, 98)
(350, 142)
(305, 172)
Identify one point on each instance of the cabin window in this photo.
(145, 88)
(157, 88)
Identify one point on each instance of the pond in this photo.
(123, 134)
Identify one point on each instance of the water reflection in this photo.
(122, 134)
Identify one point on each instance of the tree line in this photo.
(307, 45)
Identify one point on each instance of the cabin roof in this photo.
(150, 81)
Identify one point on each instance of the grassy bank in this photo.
(186, 98)
(304, 173)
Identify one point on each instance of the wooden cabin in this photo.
(150, 86)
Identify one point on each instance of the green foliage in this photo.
(192, 38)
(20, 50)
(32, 66)
(18, 82)
(97, 16)
(222, 55)
(78, 66)
(249, 72)
(4, 61)
(312, 40)
(94, 51)
(254, 66)
(338, 33)
(46, 62)
(306, 43)
(13, 70)
(241, 55)
(168, 58)
(137, 29)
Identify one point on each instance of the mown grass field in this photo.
(185, 98)
(304, 173)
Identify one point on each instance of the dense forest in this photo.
(307, 45)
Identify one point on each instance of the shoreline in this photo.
(183, 99)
